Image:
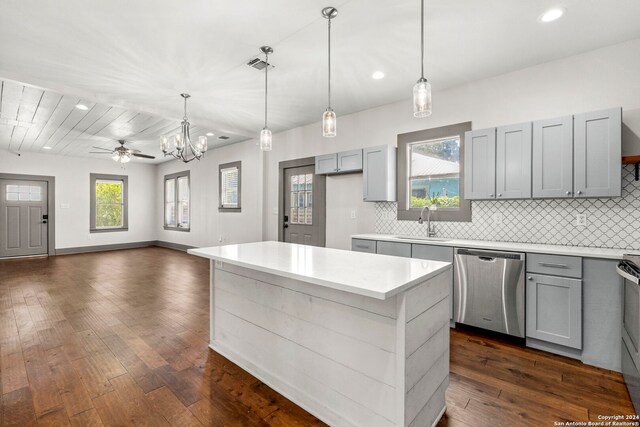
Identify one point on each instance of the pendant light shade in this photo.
(422, 88)
(329, 116)
(266, 139)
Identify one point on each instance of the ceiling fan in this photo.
(122, 154)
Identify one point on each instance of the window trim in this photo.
(175, 176)
(230, 165)
(125, 202)
(405, 212)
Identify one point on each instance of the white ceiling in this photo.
(137, 56)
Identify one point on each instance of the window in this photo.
(177, 201)
(301, 199)
(109, 203)
(431, 172)
(230, 179)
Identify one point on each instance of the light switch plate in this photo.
(64, 206)
(275, 211)
(581, 220)
(353, 214)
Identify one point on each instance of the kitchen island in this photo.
(356, 339)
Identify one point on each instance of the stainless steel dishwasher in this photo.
(489, 290)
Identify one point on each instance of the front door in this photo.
(304, 206)
(23, 218)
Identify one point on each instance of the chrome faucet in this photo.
(431, 232)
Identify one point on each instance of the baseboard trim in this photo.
(119, 246)
(172, 245)
(103, 248)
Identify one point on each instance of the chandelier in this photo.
(181, 146)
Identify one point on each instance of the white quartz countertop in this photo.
(376, 276)
(506, 246)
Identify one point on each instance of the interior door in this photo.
(304, 206)
(23, 218)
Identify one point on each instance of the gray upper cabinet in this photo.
(379, 174)
(513, 161)
(554, 310)
(350, 161)
(326, 164)
(553, 158)
(480, 164)
(597, 154)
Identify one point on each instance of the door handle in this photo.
(44, 221)
(286, 225)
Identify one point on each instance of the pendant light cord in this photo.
(422, 37)
(266, 87)
(329, 53)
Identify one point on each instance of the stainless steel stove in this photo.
(629, 269)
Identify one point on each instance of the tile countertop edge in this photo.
(325, 283)
(581, 251)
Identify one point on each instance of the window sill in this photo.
(176, 228)
(221, 209)
(108, 230)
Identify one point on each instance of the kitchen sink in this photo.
(426, 239)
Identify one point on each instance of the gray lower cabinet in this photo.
(379, 174)
(553, 158)
(480, 164)
(513, 161)
(597, 150)
(394, 248)
(554, 310)
(362, 245)
(435, 253)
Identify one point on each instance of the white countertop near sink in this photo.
(377, 276)
(581, 251)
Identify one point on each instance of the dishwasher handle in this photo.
(489, 255)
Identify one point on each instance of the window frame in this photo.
(221, 167)
(405, 140)
(93, 178)
(174, 177)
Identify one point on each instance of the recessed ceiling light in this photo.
(377, 75)
(552, 14)
(210, 133)
(47, 148)
(82, 107)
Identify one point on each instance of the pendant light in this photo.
(266, 139)
(422, 89)
(329, 117)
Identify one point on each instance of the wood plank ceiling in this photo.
(32, 119)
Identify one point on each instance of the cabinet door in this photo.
(436, 253)
(513, 161)
(394, 248)
(326, 164)
(597, 150)
(553, 158)
(480, 164)
(554, 310)
(350, 161)
(379, 174)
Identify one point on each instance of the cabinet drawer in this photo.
(360, 245)
(557, 265)
(432, 252)
(393, 248)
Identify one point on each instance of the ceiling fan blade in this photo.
(99, 152)
(144, 156)
(100, 148)
(133, 150)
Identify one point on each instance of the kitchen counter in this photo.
(353, 272)
(354, 338)
(586, 252)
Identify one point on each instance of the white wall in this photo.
(72, 188)
(594, 80)
(208, 226)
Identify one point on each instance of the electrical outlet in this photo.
(581, 220)
(220, 239)
(64, 206)
(353, 214)
(497, 218)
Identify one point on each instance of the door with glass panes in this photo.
(304, 206)
(23, 218)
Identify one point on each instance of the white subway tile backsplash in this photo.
(611, 223)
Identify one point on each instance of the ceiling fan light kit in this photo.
(181, 146)
(122, 154)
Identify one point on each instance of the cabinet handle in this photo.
(499, 194)
(491, 195)
(336, 170)
(530, 278)
(362, 246)
(552, 265)
(568, 193)
(578, 192)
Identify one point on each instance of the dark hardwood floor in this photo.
(120, 338)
